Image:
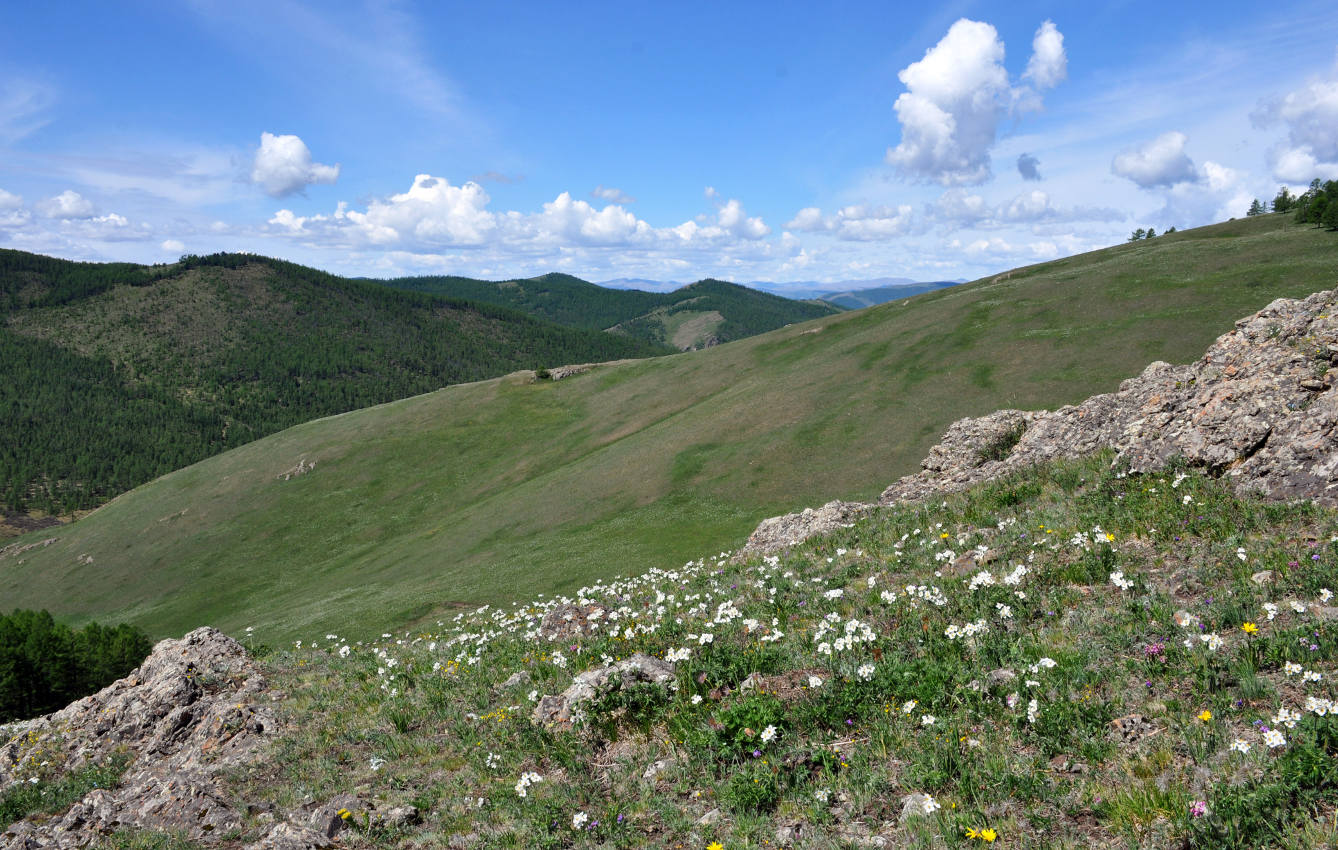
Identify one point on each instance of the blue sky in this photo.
(776, 141)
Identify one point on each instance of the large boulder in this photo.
(196, 708)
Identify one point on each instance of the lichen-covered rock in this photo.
(195, 708)
(778, 532)
(569, 620)
(598, 682)
(1257, 408)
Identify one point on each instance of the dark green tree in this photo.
(1256, 208)
(45, 665)
(1330, 219)
(1284, 200)
(1137, 235)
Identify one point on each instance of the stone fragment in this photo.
(285, 836)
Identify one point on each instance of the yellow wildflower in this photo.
(1250, 629)
(988, 835)
(1205, 715)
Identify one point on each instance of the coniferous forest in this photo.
(116, 373)
(45, 665)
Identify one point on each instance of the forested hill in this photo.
(117, 373)
(703, 313)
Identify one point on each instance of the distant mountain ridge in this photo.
(850, 294)
(117, 373)
(690, 317)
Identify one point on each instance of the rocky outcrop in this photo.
(196, 708)
(563, 708)
(777, 532)
(1257, 408)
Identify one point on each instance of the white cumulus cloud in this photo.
(10, 201)
(1310, 115)
(283, 165)
(173, 246)
(956, 96)
(1160, 162)
(68, 204)
(432, 211)
(1048, 66)
(577, 221)
(808, 220)
(734, 220)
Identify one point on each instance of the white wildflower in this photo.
(525, 781)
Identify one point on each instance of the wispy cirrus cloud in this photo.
(25, 106)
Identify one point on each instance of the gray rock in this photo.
(710, 818)
(1000, 677)
(402, 816)
(285, 836)
(568, 621)
(777, 533)
(655, 768)
(517, 679)
(1263, 577)
(598, 682)
(752, 682)
(195, 710)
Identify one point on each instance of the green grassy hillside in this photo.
(116, 373)
(691, 317)
(504, 489)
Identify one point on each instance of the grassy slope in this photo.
(504, 489)
(895, 714)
